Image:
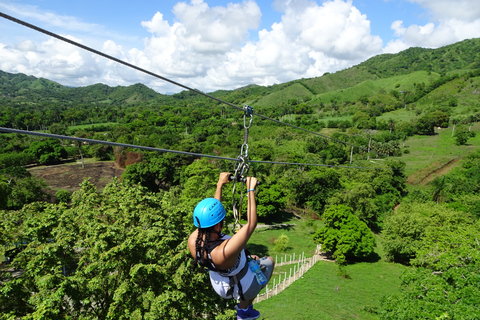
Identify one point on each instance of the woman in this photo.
(226, 256)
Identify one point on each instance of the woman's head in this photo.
(208, 213)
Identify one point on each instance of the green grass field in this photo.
(322, 293)
(429, 153)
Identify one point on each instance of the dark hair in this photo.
(201, 246)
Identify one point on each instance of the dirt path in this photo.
(440, 171)
(444, 169)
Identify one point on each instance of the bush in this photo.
(62, 196)
(281, 243)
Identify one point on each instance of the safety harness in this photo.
(235, 279)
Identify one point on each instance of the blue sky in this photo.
(213, 45)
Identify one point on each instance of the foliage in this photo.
(445, 283)
(439, 189)
(314, 187)
(281, 243)
(24, 191)
(47, 152)
(372, 194)
(427, 123)
(405, 232)
(63, 196)
(345, 235)
(15, 159)
(156, 171)
(121, 254)
(271, 201)
(386, 99)
(18, 188)
(199, 182)
(462, 135)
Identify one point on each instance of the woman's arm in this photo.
(225, 255)
(222, 179)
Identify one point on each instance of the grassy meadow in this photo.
(431, 153)
(323, 292)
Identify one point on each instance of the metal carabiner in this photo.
(248, 111)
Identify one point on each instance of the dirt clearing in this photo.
(69, 176)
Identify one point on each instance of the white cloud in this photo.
(214, 53)
(451, 21)
(210, 48)
(207, 47)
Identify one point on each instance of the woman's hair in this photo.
(201, 245)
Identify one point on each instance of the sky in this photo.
(211, 44)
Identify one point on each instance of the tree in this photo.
(462, 135)
(48, 151)
(427, 123)
(313, 188)
(404, 232)
(120, 254)
(156, 171)
(440, 187)
(63, 196)
(281, 243)
(359, 197)
(271, 201)
(344, 235)
(445, 283)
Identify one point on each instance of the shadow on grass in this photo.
(257, 249)
(280, 217)
(371, 258)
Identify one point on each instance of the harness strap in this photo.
(236, 280)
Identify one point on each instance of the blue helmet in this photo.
(208, 213)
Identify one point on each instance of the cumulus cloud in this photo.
(309, 40)
(222, 47)
(451, 21)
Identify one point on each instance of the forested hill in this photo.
(460, 57)
(20, 87)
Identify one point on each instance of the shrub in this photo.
(281, 243)
(62, 196)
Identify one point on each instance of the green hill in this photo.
(374, 77)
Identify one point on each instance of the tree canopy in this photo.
(347, 237)
(119, 254)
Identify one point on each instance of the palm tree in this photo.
(391, 124)
(439, 189)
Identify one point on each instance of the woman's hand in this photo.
(224, 178)
(251, 183)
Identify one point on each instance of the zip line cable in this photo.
(74, 43)
(117, 144)
(54, 35)
(175, 83)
